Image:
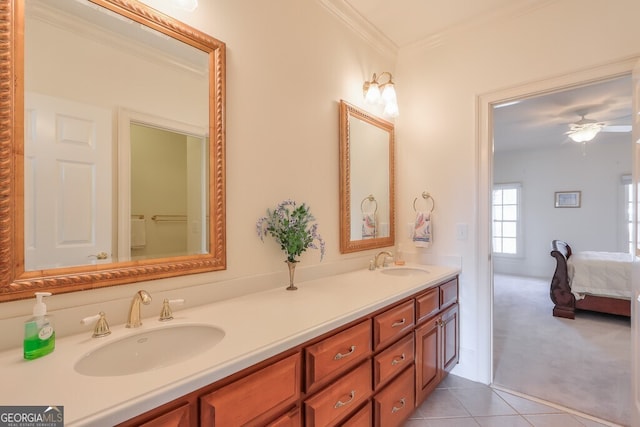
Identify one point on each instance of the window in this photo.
(506, 219)
(627, 209)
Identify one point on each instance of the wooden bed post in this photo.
(560, 292)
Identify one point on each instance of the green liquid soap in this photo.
(35, 347)
(39, 335)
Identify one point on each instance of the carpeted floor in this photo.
(582, 364)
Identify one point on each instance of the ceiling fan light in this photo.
(584, 134)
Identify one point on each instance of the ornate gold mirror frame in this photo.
(15, 282)
(380, 132)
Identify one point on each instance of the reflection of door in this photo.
(67, 182)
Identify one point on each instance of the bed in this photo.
(595, 281)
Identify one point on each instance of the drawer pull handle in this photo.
(395, 409)
(397, 360)
(399, 323)
(340, 403)
(343, 355)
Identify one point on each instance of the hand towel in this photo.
(138, 233)
(422, 237)
(368, 225)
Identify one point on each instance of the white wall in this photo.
(439, 86)
(594, 226)
(289, 62)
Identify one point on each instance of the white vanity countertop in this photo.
(256, 326)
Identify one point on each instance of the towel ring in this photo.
(425, 196)
(371, 199)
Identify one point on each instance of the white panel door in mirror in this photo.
(68, 183)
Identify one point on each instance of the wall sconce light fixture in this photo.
(376, 92)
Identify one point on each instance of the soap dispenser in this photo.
(39, 334)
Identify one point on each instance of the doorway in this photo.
(542, 263)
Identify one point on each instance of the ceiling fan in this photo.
(584, 130)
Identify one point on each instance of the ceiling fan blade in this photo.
(617, 128)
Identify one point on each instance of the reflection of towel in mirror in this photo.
(368, 225)
(422, 230)
(138, 233)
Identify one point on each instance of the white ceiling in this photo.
(536, 122)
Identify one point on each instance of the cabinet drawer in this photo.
(338, 400)
(331, 356)
(362, 418)
(394, 404)
(290, 419)
(392, 361)
(254, 398)
(448, 293)
(179, 417)
(428, 304)
(392, 324)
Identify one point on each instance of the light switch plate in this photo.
(462, 231)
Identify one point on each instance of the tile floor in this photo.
(458, 402)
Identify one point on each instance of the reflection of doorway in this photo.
(549, 357)
(163, 188)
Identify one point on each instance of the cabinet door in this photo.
(428, 358)
(450, 337)
(395, 403)
(255, 398)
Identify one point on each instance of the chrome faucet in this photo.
(134, 312)
(385, 253)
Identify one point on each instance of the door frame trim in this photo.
(484, 156)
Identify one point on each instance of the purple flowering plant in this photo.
(292, 228)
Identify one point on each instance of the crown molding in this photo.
(489, 18)
(359, 25)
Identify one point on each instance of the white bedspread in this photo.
(600, 273)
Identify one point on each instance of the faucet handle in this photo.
(101, 328)
(166, 313)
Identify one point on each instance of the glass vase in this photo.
(292, 270)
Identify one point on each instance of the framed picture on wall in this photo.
(568, 199)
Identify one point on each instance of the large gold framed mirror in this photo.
(112, 150)
(367, 208)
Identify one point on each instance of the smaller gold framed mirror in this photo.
(367, 208)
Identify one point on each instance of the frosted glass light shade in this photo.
(391, 109)
(373, 93)
(389, 93)
(584, 135)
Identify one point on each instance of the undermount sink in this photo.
(404, 271)
(148, 350)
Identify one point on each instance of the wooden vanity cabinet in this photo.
(371, 372)
(437, 339)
